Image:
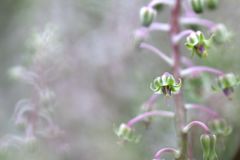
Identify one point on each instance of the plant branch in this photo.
(157, 51)
(195, 70)
(198, 21)
(198, 124)
(203, 109)
(181, 35)
(149, 114)
(166, 150)
(159, 26)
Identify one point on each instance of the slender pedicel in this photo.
(181, 35)
(157, 51)
(203, 22)
(159, 26)
(203, 109)
(198, 69)
(166, 150)
(196, 123)
(149, 114)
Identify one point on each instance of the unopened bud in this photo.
(197, 5)
(208, 143)
(212, 4)
(147, 15)
(221, 34)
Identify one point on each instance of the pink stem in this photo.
(181, 35)
(198, 21)
(158, 52)
(165, 150)
(196, 123)
(197, 69)
(149, 114)
(159, 26)
(202, 108)
(148, 105)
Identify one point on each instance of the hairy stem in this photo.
(178, 99)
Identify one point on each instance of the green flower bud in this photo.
(212, 4)
(208, 143)
(221, 34)
(220, 127)
(166, 84)
(126, 133)
(226, 83)
(147, 15)
(197, 43)
(197, 5)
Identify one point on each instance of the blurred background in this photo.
(88, 61)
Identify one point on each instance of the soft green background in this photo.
(107, 80)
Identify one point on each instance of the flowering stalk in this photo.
(170, 84)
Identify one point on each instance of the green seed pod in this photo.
(212, 4)
(197, 5)
(147, 15)
(208, 143)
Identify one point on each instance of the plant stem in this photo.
(180, 112)
(149, 114)
(166, 150)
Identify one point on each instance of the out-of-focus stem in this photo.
(148, 105)
(159, 26)
(149, 114)
(180, 111)
(196, 123)
(203, 109)
(166, 150)
(181, 35)
(198, 21)
(198, 69)
(157, 51)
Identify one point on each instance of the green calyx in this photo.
(126, 133)
(226, 83)
(147, 15)
(208, 144)
(166, 84)
(198, 44)
(220, 127)
(197, 5)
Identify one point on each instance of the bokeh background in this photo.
(100, 80)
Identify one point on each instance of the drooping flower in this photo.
(226, 83)
(166, 84)
(198, 44)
